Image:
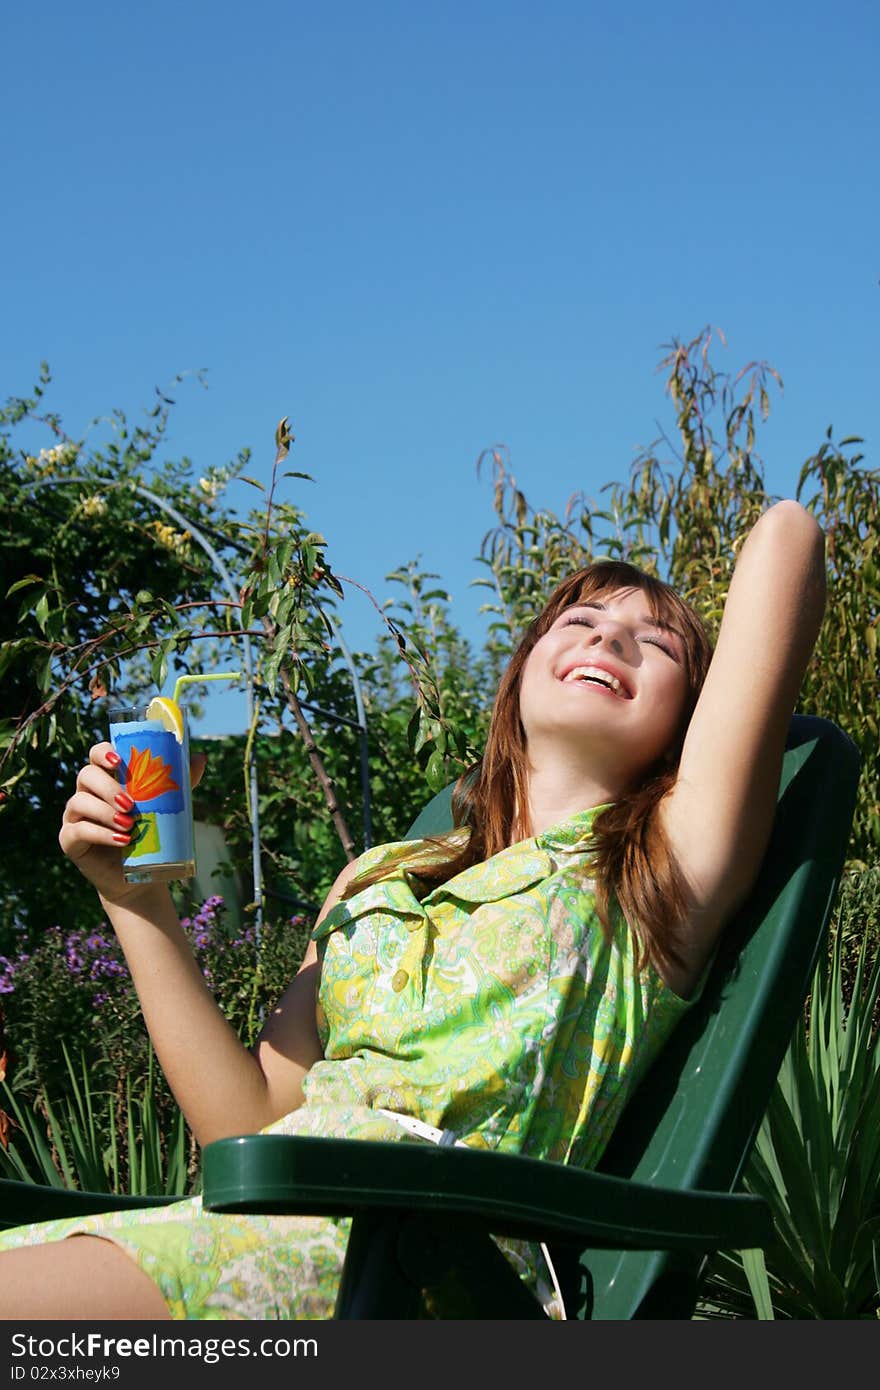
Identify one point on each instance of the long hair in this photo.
(631, 860)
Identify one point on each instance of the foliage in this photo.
(75, 988)
(72, 996)
(72, 988)
(84, 1139)
(685, 520)
(104, 597)
(817, 1158)
(842, 680)
(246, 972)
(406, 744)
(105, 592)
(83, 530)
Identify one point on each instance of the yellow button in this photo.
(399, 980)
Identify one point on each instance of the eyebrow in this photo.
(647, 618)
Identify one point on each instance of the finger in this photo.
(77, 837)
(104, 755)
(94, 779)
(83, 806)
(197, 764)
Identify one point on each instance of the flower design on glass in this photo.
(148, 776)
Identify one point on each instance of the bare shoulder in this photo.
(337, 891)
(335, 895)
(719, 813)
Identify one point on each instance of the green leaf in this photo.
(159, 667)
(23, 583)
(41, 612)
(272, 664)
(42, 670)
(756, 1274)
(435, 772)
(421, 731)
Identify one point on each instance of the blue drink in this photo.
(152, 741)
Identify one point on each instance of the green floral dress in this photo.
(493, 1006)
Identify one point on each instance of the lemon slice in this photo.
(169, 715)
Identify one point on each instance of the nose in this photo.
(607, 632)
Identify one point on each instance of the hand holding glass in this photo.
(152, 741)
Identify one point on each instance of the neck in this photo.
(558, 788)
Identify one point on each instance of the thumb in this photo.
(197, 765)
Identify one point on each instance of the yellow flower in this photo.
(168, 537)
(93, 506)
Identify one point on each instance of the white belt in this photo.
(443, 1137)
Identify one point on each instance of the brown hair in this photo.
(632, 860)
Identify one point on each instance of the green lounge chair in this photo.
(630, 1239)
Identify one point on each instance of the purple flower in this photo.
(105, 968)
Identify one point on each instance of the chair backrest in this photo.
(692, 1122)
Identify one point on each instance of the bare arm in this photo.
(719, 814)
(221, 1087)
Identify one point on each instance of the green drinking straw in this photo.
(193, 680)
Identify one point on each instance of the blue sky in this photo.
(419, 230)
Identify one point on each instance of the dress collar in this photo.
(511, 870)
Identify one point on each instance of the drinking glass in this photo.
(154, 770)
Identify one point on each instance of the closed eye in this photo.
(651, 639)
(664, 646)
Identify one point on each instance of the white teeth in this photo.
(582, 673)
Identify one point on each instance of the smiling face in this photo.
(610, 671)
(601, 740)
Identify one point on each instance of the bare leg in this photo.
(76, 1279)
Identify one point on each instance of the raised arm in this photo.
(222, 1088)
(720, 812)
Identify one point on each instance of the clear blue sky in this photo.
(422, 229)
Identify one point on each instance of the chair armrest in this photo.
(507, 1194)
(23, 1202)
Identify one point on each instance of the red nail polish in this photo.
(124, 801)
(119, 839)
(124, 822)
(113, 759)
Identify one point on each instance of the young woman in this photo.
(509, 982)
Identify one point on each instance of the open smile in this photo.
(599, 678)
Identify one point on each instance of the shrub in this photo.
(72, 997)
(817, 1156)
